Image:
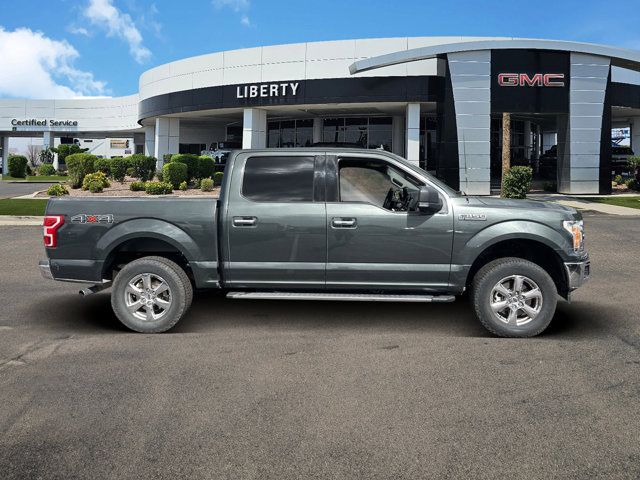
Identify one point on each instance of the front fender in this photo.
(467, 253)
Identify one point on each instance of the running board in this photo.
(349, 297)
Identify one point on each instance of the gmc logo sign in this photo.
(537, 80)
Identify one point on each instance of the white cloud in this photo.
(78, 30)
(104, 15)
(238, 6)
(35, 66)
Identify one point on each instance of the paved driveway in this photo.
(11, 189)
(319, 390)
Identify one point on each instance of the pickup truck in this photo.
(321, 224)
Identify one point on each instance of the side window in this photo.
(378, 183)
(278, 179)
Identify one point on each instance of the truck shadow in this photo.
(211, 312)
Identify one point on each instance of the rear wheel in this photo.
(151, 295)
(513, 297)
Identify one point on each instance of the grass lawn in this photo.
(38, 178)
(10, 206)
(631, 202)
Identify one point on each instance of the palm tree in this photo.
(506, 147)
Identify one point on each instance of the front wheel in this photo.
(150, 295)
(513, 297)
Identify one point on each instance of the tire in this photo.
(150, 294)
(495, 297)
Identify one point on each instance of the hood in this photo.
(522, 204)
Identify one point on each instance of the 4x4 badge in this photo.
(84, 218)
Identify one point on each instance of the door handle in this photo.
(338, 222)
(245, 221)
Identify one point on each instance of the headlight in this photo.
(576, 229)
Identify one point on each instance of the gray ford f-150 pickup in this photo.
(321, 224)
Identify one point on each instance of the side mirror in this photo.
(429, 200)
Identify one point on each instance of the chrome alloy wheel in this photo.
(148, 297)
(516, 300)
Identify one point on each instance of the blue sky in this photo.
(65, 48)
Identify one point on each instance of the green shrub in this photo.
(57, 190)
(206, 167)
(550, 187)
(46, 169)
(67, 149)
(94, 186)
(175, 173)
(102, 165)
(95, 178)
(137, 186)
(160, 175)
(217, 178)
(206, 185)
(631, 183)
(517, 182)
(617, 180)
(166, 158)
(119, 167)
(158, 188)
(183, 186)
(634, 165)
(144, 167)
(79, 165)
(190, 160)
(29, 171)
(17, 166)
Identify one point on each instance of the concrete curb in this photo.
(13, 220)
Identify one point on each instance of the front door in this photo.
(377, 239)
(276, 222)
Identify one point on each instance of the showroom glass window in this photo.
(290, 133)
(278, 179)
(365, 132)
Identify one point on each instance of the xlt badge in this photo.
(478, 217)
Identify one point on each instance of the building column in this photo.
(166, 138)
(527, 139)
(150, 141)
(397, 135)
(579, 164)
(412, 133)
(317, 130)
(5, 155)
(254, 128)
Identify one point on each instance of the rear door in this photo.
(276, 221)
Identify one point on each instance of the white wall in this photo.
(201, 134)
(299, 61)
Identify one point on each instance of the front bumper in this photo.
(45, 269)
(577, 273)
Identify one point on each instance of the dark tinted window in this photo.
(278, 179)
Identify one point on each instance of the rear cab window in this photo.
(279, 179)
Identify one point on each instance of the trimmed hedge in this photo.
(119, 167)
(137, 186)
(57, 190)
(217, 178)
(191, 161)
(158, 188)
(206, 167)
(79, 165)
(95, 182)
(206, 185)
(17, 166)
(102, 165)
(517, 182)
(46, 169)
(144, 167)
(175, 173)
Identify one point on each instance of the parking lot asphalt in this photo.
(255, 390)
(15, 189)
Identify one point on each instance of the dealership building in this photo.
(437, 101)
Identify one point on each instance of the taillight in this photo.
(51, 225)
